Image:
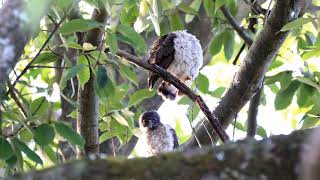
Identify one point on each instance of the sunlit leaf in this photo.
(72, 45)
(175, 22)
(296, 23)
(46, 57)
(209, 7)
(39, 107)
(140, 95)
(129, 73)
(84, 73)
(105, 136)
(261, 132)
(187, 9)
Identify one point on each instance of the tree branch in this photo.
(274, 158)
(182, 87)
(233, 22)
(253, 68)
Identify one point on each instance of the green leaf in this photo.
(121, 120)
(136, 40)
(46, 57)
(44, 134)
(193, 111)
(103, 84)
(129, 73)
(84, 73)
(187, 9)
(304, 95)
(72, 45)
(105, 136)
(309, 81)
(129, 14)
(175, 22)
(12, 161)
(5, 149)
(310, 122)
(78, 25)
(240, 127)
(217, 93)
(184, 101)
(202, 83)
(69, 134)
(284, 96)
(112, 42)
(195, 4)
(140, 95)
(39, 107)
(209, 7)
(219, 4)
(68, 74)
(275, 64)
(261, 132)
(50, 153)
(228, 43)
(154, 15)
(216, 44)
(296, 23)
(30, 154)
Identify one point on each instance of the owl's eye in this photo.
(154, 120)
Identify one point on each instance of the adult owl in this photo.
(156, 137)
(180, 53)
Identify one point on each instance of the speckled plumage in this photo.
(156, 137)
(181, 54)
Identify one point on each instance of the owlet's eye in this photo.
(154, 120)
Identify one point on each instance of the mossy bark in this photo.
(275, 158)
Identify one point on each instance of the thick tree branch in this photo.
(252, 70)
(88, 112)
(182, 87)
(274, 158)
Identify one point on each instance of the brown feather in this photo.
(161, 54)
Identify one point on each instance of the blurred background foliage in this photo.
(290, 97)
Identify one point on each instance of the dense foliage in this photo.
(33, 106)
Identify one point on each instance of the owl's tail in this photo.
(152, 80)
(167, 91)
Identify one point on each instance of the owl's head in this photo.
(149, 120)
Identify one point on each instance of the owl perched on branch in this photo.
(180, 53)
(156, 137)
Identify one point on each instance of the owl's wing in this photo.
(175, 139)
(161, 54)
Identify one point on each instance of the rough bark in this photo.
(17, 25)
(88, 112)
(252, 70)
(274, 158)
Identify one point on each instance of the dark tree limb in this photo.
(253, 113)
(182, 87)
(274, 158)
(253, 68)
(233, 22)
(88, 111)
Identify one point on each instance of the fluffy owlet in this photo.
(156, 137)
(180, 53)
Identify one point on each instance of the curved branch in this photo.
(182, 87)
(233, 22)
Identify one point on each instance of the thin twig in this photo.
(16, 100)
(49, 67)
(214, 121)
